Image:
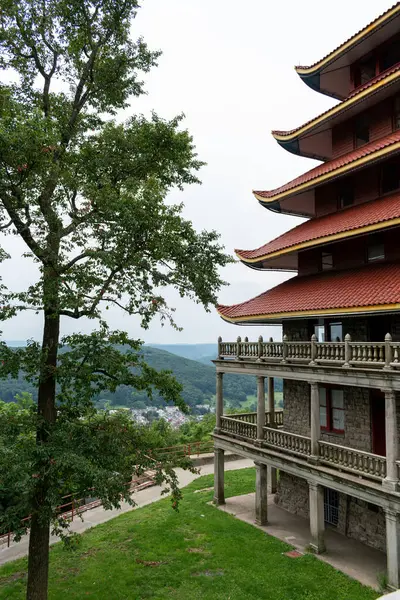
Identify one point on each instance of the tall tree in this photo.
(86, 193)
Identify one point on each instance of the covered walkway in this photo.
(349, 556)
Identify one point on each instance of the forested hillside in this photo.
(197, 378)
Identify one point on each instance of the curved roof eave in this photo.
(290, 140)
(357, 38)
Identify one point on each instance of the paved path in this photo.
(99, 515)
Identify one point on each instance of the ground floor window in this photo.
(331, 409)
(331, 507)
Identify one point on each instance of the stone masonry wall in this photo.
(357, 415)
(296, 407)
(292, 495)
(366, 524)
(357, 519)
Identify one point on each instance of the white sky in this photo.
(228, 65)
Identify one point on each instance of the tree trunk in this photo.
(38, 561)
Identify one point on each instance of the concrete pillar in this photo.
(260, 408)
(391, 480)
(219, 402)
(261, 494)
(392, 548)
(315, 423)
(272, 480)
(271, 400)
(219, 488)
(317, 522)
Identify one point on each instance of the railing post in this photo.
(391, 481)
(315, 421)
(219, 403)
(260, 408)
(219, 348)
(284, 348)
(347, 351)
(313, 349)
(388, 351)
(259, 349)
(238, 342)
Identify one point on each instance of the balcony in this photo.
(347, 354)
(243, 427)
(362, 364)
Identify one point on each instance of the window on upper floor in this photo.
(331, 409)
(375, 252)
(364, 71)
(390, 177)
(390, 55)
(326, 261)
(396, 113)
(345, 196)
(361, 132)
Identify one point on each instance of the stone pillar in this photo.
(272, 472)
(391, 480)
(271, 401)
(317, 522)
(315, 423)
(261, 494)
(392, 548)
(219, 491)
(260, 408)
(219, 403)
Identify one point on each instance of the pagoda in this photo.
(336, 441)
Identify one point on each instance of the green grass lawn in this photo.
(198, 553)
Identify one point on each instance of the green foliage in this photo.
(86, 194)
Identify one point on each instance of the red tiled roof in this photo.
(355, 92)
(353, 218)
(350, 38)
(373, 285)
(332, 165)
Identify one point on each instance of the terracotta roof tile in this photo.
(373, 285)
(332, 165)
(353, 218)
(366, 28)
(354, 93)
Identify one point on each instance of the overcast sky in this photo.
(228, 65)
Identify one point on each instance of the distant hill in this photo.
(201, 352)
(197, 379)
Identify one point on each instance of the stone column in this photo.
(272, 472)
(391, 480)
(315, 423)
(392, 548)
(260, 408)
(219, 403)
(317, 522)
(219, 491)
(261, 494)
(271, 400)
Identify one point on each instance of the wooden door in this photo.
(378, 423)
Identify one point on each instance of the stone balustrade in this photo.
(364, 464)
(347, 459)
(239, 428)
(347, 354)
(289, 442)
